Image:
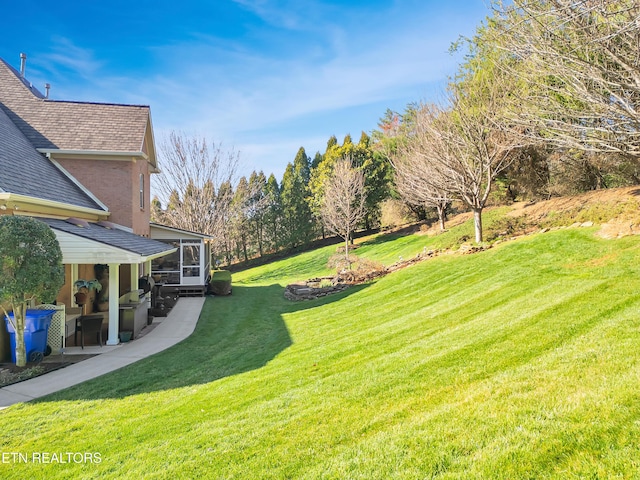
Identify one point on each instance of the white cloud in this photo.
(255, 92)
(66, 57)
(288, 14)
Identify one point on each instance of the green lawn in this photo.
(518, 362)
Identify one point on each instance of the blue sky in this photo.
(263, 77)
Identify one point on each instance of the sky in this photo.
(259, 77)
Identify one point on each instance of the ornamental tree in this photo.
(344, 205)
(30, 267)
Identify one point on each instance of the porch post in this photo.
(114, 312)
(74, 277)
(147, 271)
(134, 281)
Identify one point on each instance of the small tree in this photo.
(30, 267)
(344, 205)
(414, 183)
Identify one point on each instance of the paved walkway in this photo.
(177, 326)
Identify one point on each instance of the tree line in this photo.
(259, 215)
(544, 103)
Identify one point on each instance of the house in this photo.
(84, 169)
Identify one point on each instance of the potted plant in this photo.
(84, 287)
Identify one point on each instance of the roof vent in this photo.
(78, 222)
(23, 63)
(107, 225)
(47, 87)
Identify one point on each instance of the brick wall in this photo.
(141, 216)
(117, 185)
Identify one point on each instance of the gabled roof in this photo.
(21, 165)
(66, 125)
(179, 231)
(104, 243)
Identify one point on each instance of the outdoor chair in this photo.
(88, 324)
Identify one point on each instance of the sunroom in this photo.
(187, 268)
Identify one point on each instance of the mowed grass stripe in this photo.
(518, 362)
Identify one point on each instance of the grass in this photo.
(517, 362)
(383, 248)
(597, 212)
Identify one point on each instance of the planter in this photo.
(125, 336)
(81, 298)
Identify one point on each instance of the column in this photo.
(135, 274)
(114, 311)
(74, 277)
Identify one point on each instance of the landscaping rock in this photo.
(303, 291)
(467, 249)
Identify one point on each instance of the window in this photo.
(181, 267)
(167, 269)
(141, 191)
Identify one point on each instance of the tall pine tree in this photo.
(298, 220)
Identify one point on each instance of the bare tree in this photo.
(458, 151)
(192, 173)
(344, 207)
(581, 64)
(414, 180)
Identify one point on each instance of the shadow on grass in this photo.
(235, 334)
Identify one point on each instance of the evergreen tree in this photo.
(156, 210)
(302, 165)
(289, 192)
(377, 175)
(273, 214)
(373, 165)
(316, 161)
(257, 209)
(240, 222)
(223, 243)
(332, 142)
(297, 215)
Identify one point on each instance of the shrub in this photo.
(220, 283)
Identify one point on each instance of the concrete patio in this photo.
(178, 325)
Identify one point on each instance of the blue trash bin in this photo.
(36, 329)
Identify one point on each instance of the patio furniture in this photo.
(88, 324)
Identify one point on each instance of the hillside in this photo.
(616, 211)
(520, 361)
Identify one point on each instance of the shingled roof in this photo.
(20, 164)
(114, 237)
(67, 125)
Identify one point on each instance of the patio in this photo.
(168, 331)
